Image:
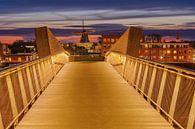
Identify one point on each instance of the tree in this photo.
(21, 46)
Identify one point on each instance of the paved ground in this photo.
(91, 95)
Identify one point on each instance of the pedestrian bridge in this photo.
(122, 92)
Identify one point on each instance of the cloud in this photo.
(154, 18)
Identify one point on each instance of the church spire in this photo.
(177, 37)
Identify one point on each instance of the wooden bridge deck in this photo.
(91, 95)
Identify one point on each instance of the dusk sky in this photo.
(19, 17)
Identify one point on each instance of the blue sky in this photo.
(101, 15)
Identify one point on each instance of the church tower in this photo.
(177, 37)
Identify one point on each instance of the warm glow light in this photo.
(10, 39)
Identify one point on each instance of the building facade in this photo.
(107, 42)
(167, 52)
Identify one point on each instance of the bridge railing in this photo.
(20, 86)
(170, 90)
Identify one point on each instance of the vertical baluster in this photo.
(131, 68)
(30, 82)
(152, 82)
(144, 78)
(191, 119)
(11, 96)
(138, 76)
(129, 71)
(52, 67)
(41, 74)
(46, 71)
(124, 65)
(162, 86)
(174, 98)
(125, 69)
(22, 87)
(134, 72)
(36, 78)
(1, 122)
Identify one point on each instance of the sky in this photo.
(18, 18)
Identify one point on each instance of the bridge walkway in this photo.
(91, 95)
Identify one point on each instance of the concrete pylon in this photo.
(47, 44)
(129, 42)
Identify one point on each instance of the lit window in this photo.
(104, 40)
(146, 51)
(168, 51)
(175, 57)
(19, 59)
(175, 52)
(112, 40)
